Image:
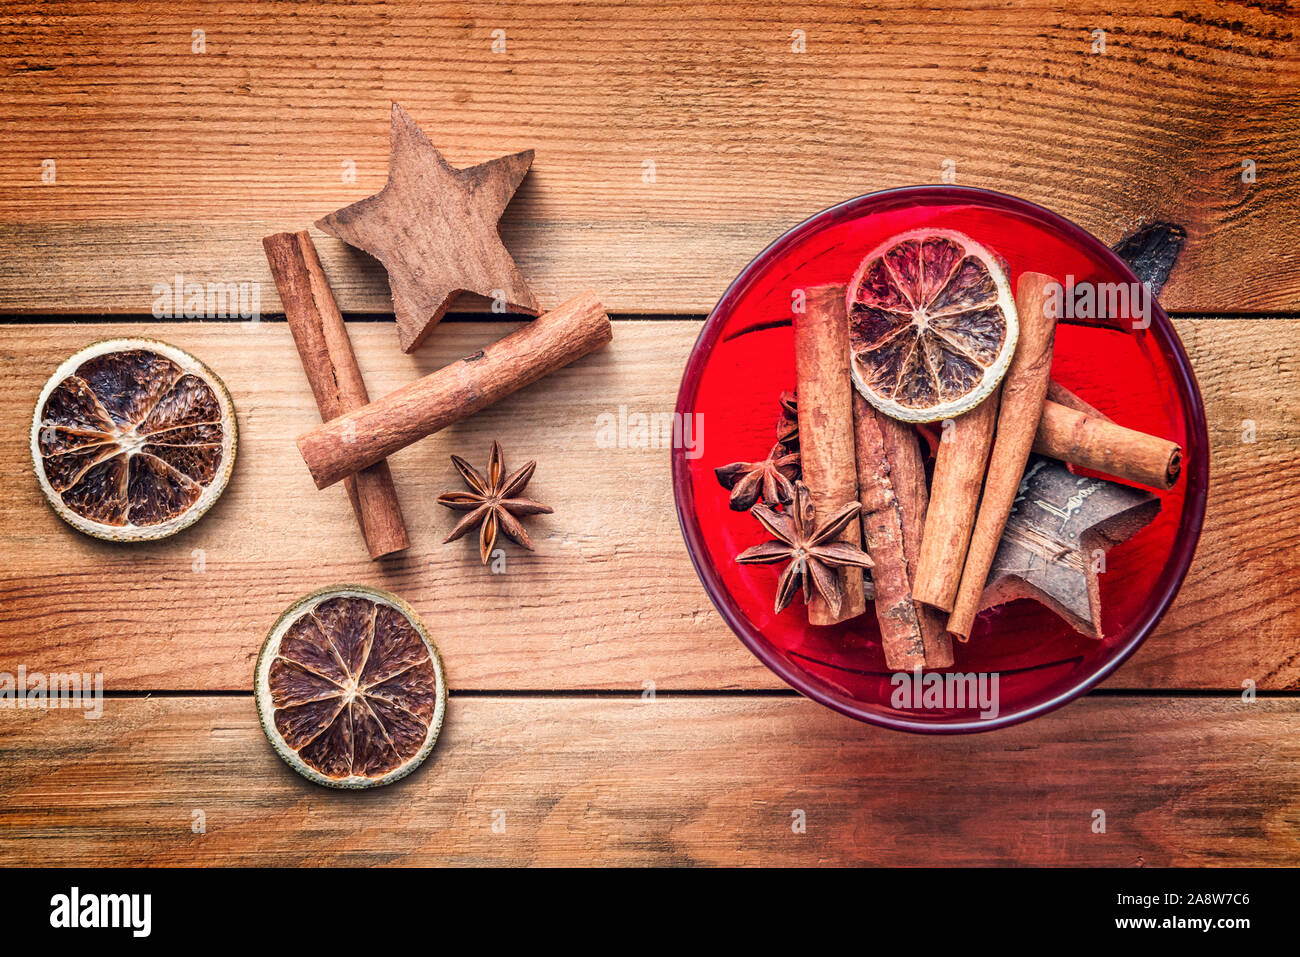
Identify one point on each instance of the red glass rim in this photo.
(1195, 466)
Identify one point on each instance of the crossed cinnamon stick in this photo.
(331, 366)
(357, 435)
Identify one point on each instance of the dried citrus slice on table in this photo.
(350, 687)
(932, 325)
(133, 439)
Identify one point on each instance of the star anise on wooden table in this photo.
(492, 502)
(768, 480)
(811, 549)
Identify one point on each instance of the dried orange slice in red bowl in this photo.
(932, 325)
(133, 440)
(350, 687)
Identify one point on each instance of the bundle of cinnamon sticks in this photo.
(933, 545)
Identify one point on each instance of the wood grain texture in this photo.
(609, 600)
(1245, 567)
(170, 160)
(1181, 782)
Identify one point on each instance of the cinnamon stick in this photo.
(825, 389)
(891, 488)
(1024, 390)
(362, 437)
(1062, 396)
(1095, 442)
(331, 366)
(954, 497)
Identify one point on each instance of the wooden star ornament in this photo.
(435, 230)
(1049, 546)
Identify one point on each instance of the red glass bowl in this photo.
(744, 359)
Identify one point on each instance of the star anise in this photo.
(492, 503)
(787, 427)
(768, 480)
(811, 550)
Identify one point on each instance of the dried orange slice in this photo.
(932, 325)
(133, 439)
(350, 687)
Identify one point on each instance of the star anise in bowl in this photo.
(811, 549)
(768, 480)
(493, 503)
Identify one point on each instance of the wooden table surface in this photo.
(673, 143)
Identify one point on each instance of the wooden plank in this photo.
(172, 161)
(583, 781)
(611, 558)
(1245, 576)
(609, 600)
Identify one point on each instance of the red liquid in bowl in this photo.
(744, 359)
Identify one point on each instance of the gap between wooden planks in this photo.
(610, 599)
(673, 141)
(583, 781)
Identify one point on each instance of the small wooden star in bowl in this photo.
(492, 502)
